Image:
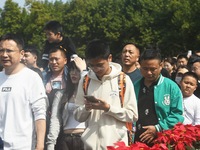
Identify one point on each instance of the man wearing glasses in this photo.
(101, 108)
(23, 100)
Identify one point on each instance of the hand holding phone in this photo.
(91, 99)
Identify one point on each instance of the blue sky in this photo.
(21, 2)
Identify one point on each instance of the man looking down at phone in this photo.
(104, 116)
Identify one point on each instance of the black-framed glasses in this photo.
(8, 51)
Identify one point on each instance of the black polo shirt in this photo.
(146, 108)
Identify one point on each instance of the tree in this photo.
(38, 14)
(11, 18)
(171, 25)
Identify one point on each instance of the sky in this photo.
(21, 2)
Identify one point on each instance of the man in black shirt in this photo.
(159, 99)
(55, 38)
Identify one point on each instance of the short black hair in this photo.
(15, 37)
(97, 49)
(194, 58)
(180, 56)
(32, 49)
(54, 26)
(72, 65)
(132, 43)
(197, 51)
(150, 54)
(59, 48)
(170, 60)
(191, 74)
(182, 67)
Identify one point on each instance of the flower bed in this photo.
(181, 137)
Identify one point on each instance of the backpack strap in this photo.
(122, 89)
(86, 81)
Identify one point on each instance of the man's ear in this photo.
(110, 58)
(161, 65)
(21, 54)
(65, 61)
(35, 57)
(137, 59)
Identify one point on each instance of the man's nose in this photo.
(53, 61)
(126, 53)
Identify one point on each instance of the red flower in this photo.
(159, 147)
(178, 138)
(142, 146)
(180, 146)
(118, 146)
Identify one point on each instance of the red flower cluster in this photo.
(181, 137)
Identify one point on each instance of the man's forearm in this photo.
(40, 133)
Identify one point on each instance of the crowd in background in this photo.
(71, 119)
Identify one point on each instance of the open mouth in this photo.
(126, 59)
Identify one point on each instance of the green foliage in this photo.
(11, 18)
(170, 25)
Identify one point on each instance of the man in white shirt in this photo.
(23, 100)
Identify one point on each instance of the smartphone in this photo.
(91, 98)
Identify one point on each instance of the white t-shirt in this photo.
(22, 101)
(70, 122)
(191, 110)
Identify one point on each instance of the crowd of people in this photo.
(71, 103)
